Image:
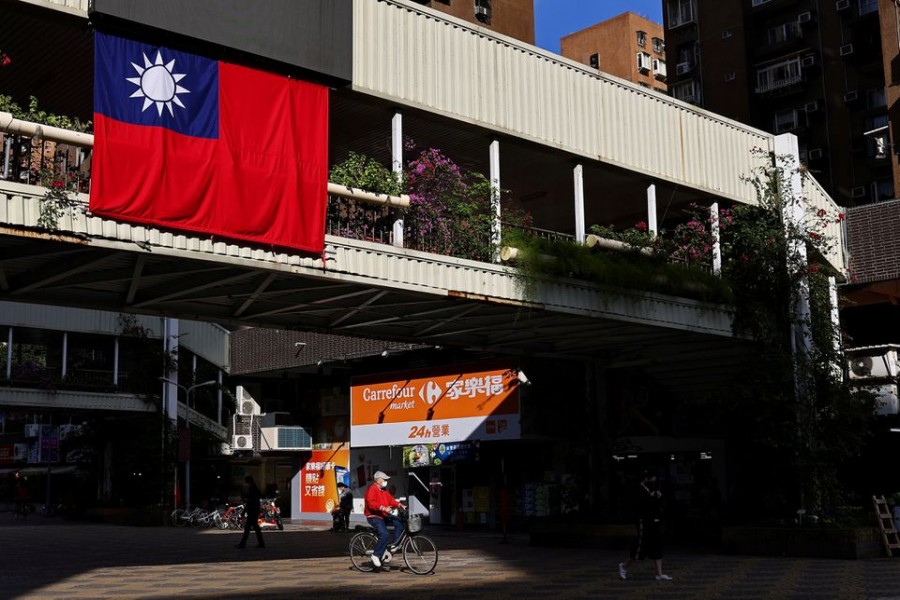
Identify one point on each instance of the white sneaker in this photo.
(663, 577)
(623, 574)
(376, 561)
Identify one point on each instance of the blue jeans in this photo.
(381, 530)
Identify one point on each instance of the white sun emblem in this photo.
(158, 85)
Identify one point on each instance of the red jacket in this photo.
(375, 499)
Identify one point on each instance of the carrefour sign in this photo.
(434, 407)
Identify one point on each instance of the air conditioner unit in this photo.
(841, 5)
(846, 50)
(851, 96)
(858, 192)
(285, 438)
(804, 17)
(643, 62)
(242, 442)
(224, 449)
(246, 405)
(482, 13)
(886, 401)
(808, 61)
(682, 68)
(811, 107)
(816, 154)
(874, 366)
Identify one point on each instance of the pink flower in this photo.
(5, 60)
(59, 184)
(641, 226)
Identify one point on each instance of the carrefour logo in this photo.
(430, 392)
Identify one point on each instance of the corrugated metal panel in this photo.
(74, 5)
(384, 266)
(62, 318)
(62, 399)
(208, 340)
(410, 55)
(819, 200)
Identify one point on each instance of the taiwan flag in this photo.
(188, 143)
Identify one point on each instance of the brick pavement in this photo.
(52, 558)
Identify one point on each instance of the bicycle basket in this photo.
(415, 523)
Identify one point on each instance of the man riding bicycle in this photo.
(379, 504)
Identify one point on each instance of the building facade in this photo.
(821, 70)
(514, 18)
(628, 46)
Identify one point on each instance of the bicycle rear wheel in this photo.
(420, 554)
(361, 547)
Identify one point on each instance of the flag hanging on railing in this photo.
(188, 143)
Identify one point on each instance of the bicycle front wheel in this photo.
(361, 547)
(179, 517)
(420, 555)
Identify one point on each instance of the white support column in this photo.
(116, 361)
(9, 353)
(578, 182)
(496, 229)
(219, 398)
(717, 246)
(787, 157)
(835, 324)
(397, 167)
(652, 226)
(170, 390)
(65, 355)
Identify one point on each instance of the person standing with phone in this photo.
(648, 544)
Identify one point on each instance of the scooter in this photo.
(270, 514)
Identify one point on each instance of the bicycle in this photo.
(419, 552)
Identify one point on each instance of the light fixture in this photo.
(523, 379)
(384, 353)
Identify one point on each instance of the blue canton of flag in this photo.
(155, 86)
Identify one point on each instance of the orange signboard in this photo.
(319, 477)
(468, 403)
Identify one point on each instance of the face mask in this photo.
(383, 484)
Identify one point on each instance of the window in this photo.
(867, 6)
(759, 2)
(594, 61)
(643, 61)
(680, 12)
(689, 91)
(659, 46)
(778, 75)
(642, 38)
(782, 33)
(876, 98)
(883, 189)
(786, 120)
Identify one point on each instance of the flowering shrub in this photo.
(637, 236)
(5, 60)
(56, 201)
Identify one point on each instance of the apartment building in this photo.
(821, 70)
(628, 46)
(514, 18)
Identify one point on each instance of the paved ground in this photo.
(53, 558)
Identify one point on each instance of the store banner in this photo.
(435, 407)
(319, 478)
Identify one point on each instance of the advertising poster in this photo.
(319, 477)
(428, 407)
(435, 455)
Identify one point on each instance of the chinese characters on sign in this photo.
(435, 407)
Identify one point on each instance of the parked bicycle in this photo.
(182, 517)
(419, 552)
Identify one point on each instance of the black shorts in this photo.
(649, 540)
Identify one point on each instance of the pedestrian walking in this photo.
(252, 512)
(648, 544)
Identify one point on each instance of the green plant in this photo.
(56, 201)
(33, 114)
(357, 220)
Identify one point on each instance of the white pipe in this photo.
(594, 240)
(9, 124)
(651, 209)
(578, 180)
(337, 189)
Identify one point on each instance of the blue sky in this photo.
(554, 19)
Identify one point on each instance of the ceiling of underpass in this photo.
(53, 60)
